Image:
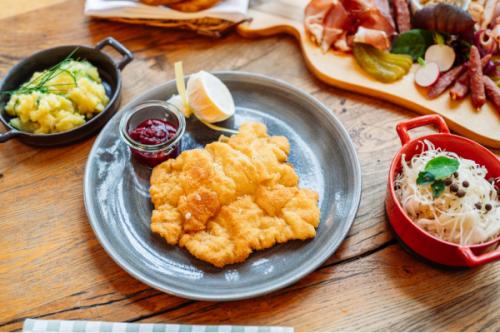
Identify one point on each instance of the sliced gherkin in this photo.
(377, 55)
(402, 60)
(370, 64)
(382, 65)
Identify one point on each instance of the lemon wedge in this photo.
(209, 98)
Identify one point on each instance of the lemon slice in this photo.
(209, 98)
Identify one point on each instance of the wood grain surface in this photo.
(52, 266)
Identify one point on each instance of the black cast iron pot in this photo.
(108, 70)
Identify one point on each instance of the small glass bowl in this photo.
(153, 155)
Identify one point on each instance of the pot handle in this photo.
(473, 260)
(127, 55)
(8, 135)
(403, 127)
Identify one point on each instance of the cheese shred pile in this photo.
(460, 220)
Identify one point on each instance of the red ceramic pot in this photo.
(421, 242)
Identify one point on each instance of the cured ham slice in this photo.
(375, 38)
(342, 43)
(338, 23)
(335, 25)
(372, 14)
(315, 14)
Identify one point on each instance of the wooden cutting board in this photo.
(271, 17)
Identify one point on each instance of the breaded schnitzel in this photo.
(236, 195)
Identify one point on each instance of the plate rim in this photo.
(199, 295)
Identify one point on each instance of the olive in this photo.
(455, 174)
(461, 193)
(478, 205)
(488, 207)
(465, 183)
(448, 181)
(454, 187)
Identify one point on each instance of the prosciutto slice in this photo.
(371, 14)
(315, 14)
(338, 23)
(376, 38)
(335, 25)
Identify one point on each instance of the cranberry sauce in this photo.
(154, 132)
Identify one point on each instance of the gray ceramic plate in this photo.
(119, 209)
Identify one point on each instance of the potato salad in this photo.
(58, 99)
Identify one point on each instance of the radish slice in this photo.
(427, 74)
(442, 55)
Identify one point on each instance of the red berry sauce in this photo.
(154, 132)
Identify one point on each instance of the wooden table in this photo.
(53, 267)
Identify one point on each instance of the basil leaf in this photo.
(414, 43)
(425, 177)
(437, 188)
(442, 166)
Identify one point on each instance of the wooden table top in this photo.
(53, 267)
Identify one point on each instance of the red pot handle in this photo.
(403, 127)
(473, 260)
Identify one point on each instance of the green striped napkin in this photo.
(70, 326)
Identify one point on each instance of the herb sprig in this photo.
(435, 171)
(39, 83)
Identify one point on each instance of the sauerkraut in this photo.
(468, 219)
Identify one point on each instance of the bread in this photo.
(183, 5)
(193, 5)
(161, 2)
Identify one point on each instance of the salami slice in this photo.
(461, 87)
(476, 83)
(492, 92)
(402, 13)
(445, 81)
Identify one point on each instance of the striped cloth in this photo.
(34, 325)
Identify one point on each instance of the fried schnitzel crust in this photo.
(235, 196)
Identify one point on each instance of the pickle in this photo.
(378, 56)
(382, 65)
(401, 60)
(372, 66)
